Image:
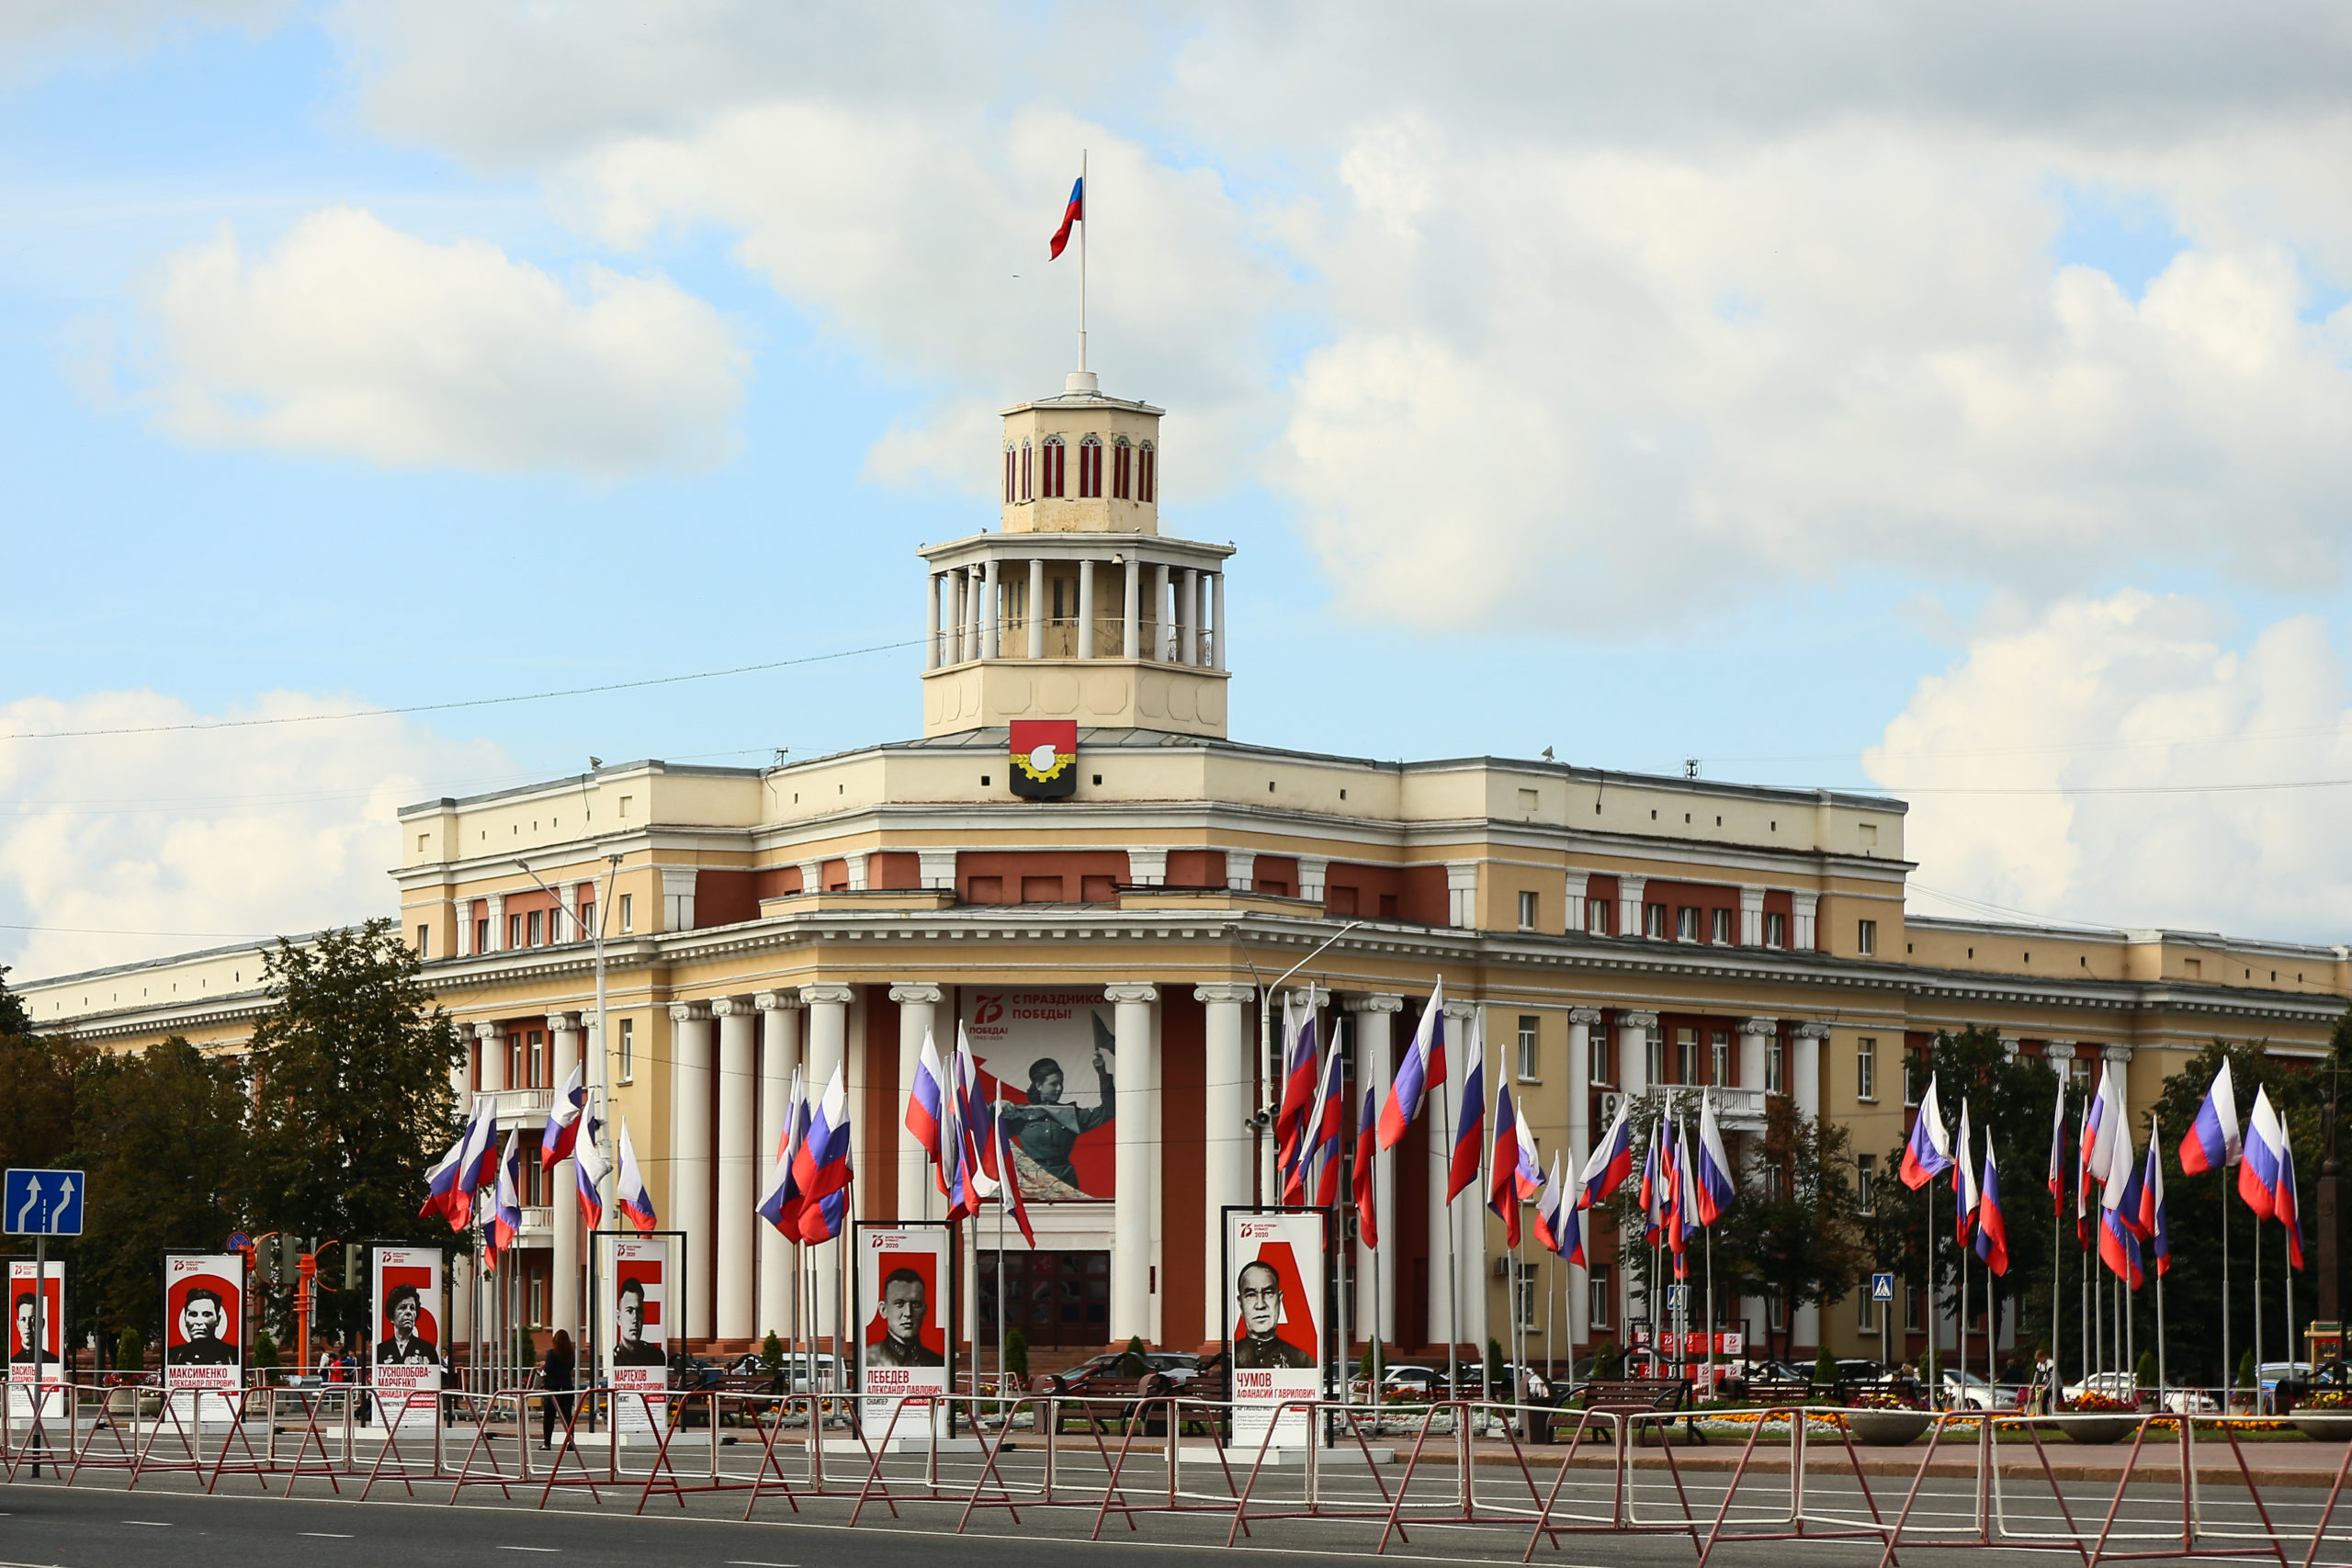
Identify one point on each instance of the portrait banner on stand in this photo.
(638, 1314)
(905, 1277)
(1051, 1051)
(408, 1332)
(204, 1331)
(1274, 1310)
(26, 1366)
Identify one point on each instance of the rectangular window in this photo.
(1722, 1043)
(1529, 1060)
(1148, 475)
(1654, 1052)
(1866, 937)
(1008, 475)
(587, 920)
(536, 1072)
(1090, 471)
(1654, 918)
(1776, 930)
(1774, 1064)
(1051, 482)
(1912, 1080)
(1686, 1054)
(629, 1045)
(1865, 1314)
(1596, 916)
(1866, 1183)
(1912, 1318)
(1722, 933)
(425, 942)
(1123, 458)
(1527, 905)
(481, 936)
(1685, 924)
(1776, 1311)
(513, 931)
(1025, 491)
(629, 922)
(535, 928)
(1599, 1304)
(1866, 1069)
(1527, 1298)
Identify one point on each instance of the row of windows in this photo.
(1686, 922)
(1031, 473)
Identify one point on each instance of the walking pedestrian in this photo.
(555, 1376)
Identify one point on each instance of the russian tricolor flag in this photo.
(441, 1196)
(1714, 1188)
(2153, 1222)
(2259, 1171)
(1011, 1177)
(2118, 1248)
(2058, 1149)
(2286, 1210)
(1469, 1136)
(820, 1166)
(1074, 213)
(1991, 1230)
(506, 1207)
(1611, 1161)
(636, 1202)
(924, 1099)
(1657, 1180)
(1928, 1153)
(1503, 1195)
(1963, 1182)
(781, 1207)
(1367, 1193)
(1327, 1136)
(1424, 1064)
(2212, 1143)
(1559, 1218)
(1299, 1081)
(588, 1174)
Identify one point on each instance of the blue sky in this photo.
(1449, 355)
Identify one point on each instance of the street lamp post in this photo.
(1273, 1070)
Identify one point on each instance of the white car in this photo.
(1966, 1391)
(2122, 1387)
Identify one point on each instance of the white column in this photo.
(1086, 609)
(1804, 1087)
(827, 1046)
(1227, 1138)
(464, 908)
(1217, 617)
(1375, 1064)
(1756, 1035)
(779, 1054)
(1132, 648)
(1462, 1246)
(1582, 1021)
(492, 1047)
(1751, 917)
(564, 1271)
(993, 614)
(931, 640)
(918, 1016)
(689, 1207)
(1131, 1261)
(1036, 612)
(737, 1292)
(1189, 615)
(1629, 905)
(957, 651)
(497, 913)
(1162, 628)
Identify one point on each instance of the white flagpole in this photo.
(1085, 221)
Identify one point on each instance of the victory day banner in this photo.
(1273, 1339)
(23, 1368)
(204, 1329)
(1052, 1051)
(902, 1285)
(636, 1334)
(407, 1357)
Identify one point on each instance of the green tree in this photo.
(36, 1075)
(1795, 1233)
(14, 1018)
(161, 1135)
(352, 1100)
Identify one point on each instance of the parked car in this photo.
(1966, 1391)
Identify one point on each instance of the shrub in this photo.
(2144, 1374)
(264, 1351)
(771, 1354)
(2246, 1370)
(1825, 1368)
(1016, 1354)
(129, 1352)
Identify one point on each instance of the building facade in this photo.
(1612, 933)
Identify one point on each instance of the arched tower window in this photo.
(1123, 471)
(1011, 468)
(1026, 491)
(1148, 475)
(1090, 470)
(1051, 483)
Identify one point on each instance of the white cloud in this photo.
(37, 36)
(2146, 694)
(354, 338)
(271, 829)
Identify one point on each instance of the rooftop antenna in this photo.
(1689, 767)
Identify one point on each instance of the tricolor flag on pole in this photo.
(781, 1207)
(1299, 1079)
(1559, 1217)
(1074, 213)
(925, 1099)
(2285, 1209)
(820, 1166)
(636, 1202)
(1657, 1178)
(1423, 1066)
(2118, 1161)
(1611, 1161)
(478, 1166)
(1928, 1155)
(1502, 1194)
(1991, 1230)
(588, 1170)
(1684, 1222)
(2058, 1149)
(2118, 1248)
(1011, 1177)
(1715, 1188)
(1327, 1135)
(441, 1196)
(1469, 1132)
(1964, 1181)
(2153, 1223)
(563, 1121)
(506, 1225)
(1367, 1148)
(2083, 1172)
(2212, 1142)
(2259, 1171)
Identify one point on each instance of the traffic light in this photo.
(354, 1267)
(277, 1257)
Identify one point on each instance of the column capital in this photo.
(1228, 994)
(1373, 1001)
(2058, 1050)
(777, 1001)
(1466, 1012)
(1588, 1017)
(1636, 1019)
(490, 1030)
(564, 1022)
(732, 1007)
(1132, 991)
(917, 992)
(2011, 1048)
(1810, 1031)
(2116, 1053)
(839, 996)
(1760, 1026)
(689, 1012)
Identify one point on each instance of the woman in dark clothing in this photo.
(555, 1376)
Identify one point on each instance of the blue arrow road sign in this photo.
(1882, 1287)
(41, 1202)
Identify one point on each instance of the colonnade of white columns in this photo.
(971, 608)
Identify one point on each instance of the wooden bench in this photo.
(1777, 1391)
(1632, 1396)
